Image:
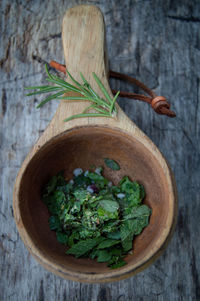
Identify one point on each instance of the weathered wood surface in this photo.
(159, 43)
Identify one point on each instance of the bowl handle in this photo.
(83, 36)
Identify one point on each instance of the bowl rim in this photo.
(112, 275)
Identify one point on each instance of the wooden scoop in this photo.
(85, 142)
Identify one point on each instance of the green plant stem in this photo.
(103, 107)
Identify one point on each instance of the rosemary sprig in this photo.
(102, 107)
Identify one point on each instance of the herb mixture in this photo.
(95, 218)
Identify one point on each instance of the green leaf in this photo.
(95, 177)
(90, 90)
(44, 90)
(36, 87)
(108, 243)
(97, 102)
(139, 224)
(73, 98)
(120, 263)
(127, 228)
(62, 237)
(81, 180)
(76, 207)
(140, 211)
(142, 192)
(111, 226)
(127, 243)
(47, 71)
(81, 195)
(99, 180)
(101, 86)
(65, 85)
(132, 190)
(113, 102)
(99, 109)
(76, 82)
(84, 80)
(130, 187)
(72, 237)
(116, 251)
(108, 205)
(115, 189)
(67, 188)
(93, 253)
(105, 215)
(112, 164)
(83, 246)
(133, 199)
(54, 96)
(125, 231)
(114, 235)
(103, 256)
(136, 224)
(51, 185)
(58, 198)
(54, 223)
(87, 233)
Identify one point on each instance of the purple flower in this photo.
(92, 188)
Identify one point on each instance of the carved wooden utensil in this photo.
(82, 143)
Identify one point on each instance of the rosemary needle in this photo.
(103, 107)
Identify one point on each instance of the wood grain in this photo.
(163, 52)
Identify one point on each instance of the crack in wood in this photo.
(51, 37)
(7, 53)
(197, 108)
(16, 79)
(184, 19)
(3, 214)
(41, 291)
(195, 275)
(185, 133)
(4, 102)
(7, 11)
(104, 294)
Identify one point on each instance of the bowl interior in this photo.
(83, 147)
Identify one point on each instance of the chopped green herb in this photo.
(120, 263)
(54, 223)
(109, 205)
(62, 237)
(103, 256)
(112, 164)
(95, 219)
(83, 246)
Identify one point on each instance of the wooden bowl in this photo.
(82, 143)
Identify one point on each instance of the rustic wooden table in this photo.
(157, 42)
